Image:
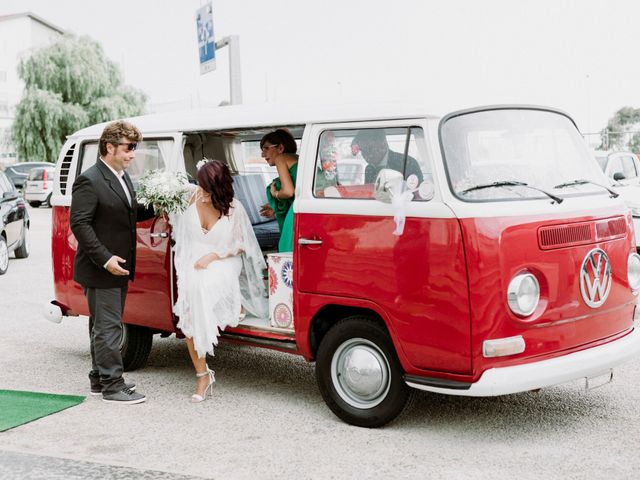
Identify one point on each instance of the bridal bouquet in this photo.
(166, 191)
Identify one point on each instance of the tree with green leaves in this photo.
(621, 132)
(69, 85)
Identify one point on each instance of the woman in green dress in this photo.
(279, 150)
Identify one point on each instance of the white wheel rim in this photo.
(360, 373)
(4, 256)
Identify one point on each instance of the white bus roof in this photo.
(274, 115)
(265, 115)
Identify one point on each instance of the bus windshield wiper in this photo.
(512, 183)
(585, 182)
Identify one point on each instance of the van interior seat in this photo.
(250, 190)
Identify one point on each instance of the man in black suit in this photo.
(104, 212)
(373, 145)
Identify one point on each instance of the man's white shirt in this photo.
(120, 176)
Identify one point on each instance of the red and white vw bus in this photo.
(501, 263)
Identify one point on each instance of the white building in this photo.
(19, 35)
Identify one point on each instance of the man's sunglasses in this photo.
(130, 146)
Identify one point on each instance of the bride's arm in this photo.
(204, 261)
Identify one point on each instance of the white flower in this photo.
(166, 191)
(201, 163)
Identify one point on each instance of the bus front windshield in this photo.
(515, 154)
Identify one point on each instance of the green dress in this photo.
(284, 212)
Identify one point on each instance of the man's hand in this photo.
(114, 268)
(267, 211)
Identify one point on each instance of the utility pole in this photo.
(235, 76)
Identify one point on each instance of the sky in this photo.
(579, 56)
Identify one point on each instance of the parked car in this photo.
(14, 224)
(351, 172)
(19, 172)
(623, 171)
(39, 186)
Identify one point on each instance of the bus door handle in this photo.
(308, 241)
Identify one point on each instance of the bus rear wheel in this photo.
(135, 345)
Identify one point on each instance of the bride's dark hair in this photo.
(215, 178)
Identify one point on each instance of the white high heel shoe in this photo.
(195, 398)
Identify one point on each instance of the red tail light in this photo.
(44, 179)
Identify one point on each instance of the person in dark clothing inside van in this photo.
(372, 143)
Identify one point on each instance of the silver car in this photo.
(623, 171)
(39, 186)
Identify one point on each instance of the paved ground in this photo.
(267, 419)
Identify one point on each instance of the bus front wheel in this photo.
(359, 374)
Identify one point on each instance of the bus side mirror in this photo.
(618, 176)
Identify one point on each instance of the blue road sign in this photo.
(206, 42)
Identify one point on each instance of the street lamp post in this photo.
(235, 76)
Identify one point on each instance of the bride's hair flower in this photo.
(201, 163)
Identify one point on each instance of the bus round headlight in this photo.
(633, 271)
(523, 294)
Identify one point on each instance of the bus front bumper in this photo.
(588, 363)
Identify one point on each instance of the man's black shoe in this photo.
(124, 396)
(97, 389)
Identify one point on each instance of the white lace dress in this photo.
(210, 299)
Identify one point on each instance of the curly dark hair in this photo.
(116, 131)
(280, 137)
(215, 178)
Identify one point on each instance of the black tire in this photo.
(35, 203)
(4, 256)
(48, 201)
(23, 250)
(361, 338)
(135, 345)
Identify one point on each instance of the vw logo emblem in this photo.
(595, 278)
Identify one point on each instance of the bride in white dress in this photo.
(219, 267)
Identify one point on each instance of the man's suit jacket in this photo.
(395, 161)
(104, 225)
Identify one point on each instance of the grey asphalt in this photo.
(15, 465)
(267, 418)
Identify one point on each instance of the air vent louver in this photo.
(64, 169)
(559, 236)
(564, 235)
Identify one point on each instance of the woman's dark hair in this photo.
(280, 137)
(215, 178)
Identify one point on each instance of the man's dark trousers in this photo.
(106, 306)
(103, 221)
